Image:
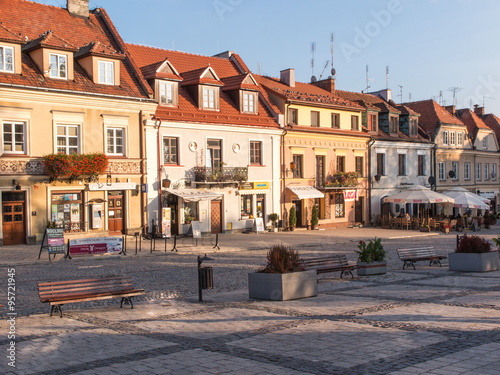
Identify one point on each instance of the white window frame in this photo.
(454, 168)
(405, 172)
(67, 137)
(442, 171)
(460, 138)
(55, 72)
(13, 134)
(209, 100)
(493, 172)
(485, 143)
(167, 93)
(3, 59)
(467, 170)
(478, 171)
(261, 152)
(445, 137)
(452, 138)
(486, 171)
(177, 152)
(249, 102)
(114, 145)
(106, 72)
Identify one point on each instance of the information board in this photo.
(166, 231)
(195, 227)
(97, 245)
(259, 224)
(53, 241)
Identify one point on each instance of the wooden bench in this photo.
(331, 263)
(410, 256)
(58, 293)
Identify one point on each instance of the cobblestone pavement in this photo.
(424, 321)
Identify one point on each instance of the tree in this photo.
(292, 220)
(314, 217)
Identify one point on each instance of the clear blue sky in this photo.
(429, 45)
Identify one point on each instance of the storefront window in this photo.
(260, 205)
(190, 212)
(66, 211)
(246, 206)
(339, 205)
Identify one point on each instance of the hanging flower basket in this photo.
(60, 166)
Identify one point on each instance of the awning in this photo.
(194, 195)
(306, 192)
(99, 186)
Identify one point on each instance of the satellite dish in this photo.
(333, 72)
(377, 177)
(431, 180)
(451, 174)
(493, 175)
(314, 79)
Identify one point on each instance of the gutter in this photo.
(370, 182)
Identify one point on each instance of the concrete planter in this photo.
(283, 286)
(474, 262)
(374, 268)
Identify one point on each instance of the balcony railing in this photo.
(221, 174)
(342, 179)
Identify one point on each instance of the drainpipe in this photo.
(283, 166)
(433, 166)
(143, 171)
(370, 182)
(158, 121)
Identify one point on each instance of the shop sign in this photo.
(350, 195)
(98, 245)
(254, 185)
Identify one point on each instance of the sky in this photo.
(432, 47)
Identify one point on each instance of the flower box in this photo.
(474, 262)
(283, 286)
(374, 268)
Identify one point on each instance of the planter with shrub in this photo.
(473, 254)
(274, 218)
(283, 278)
(292, 220)
(314, 217)
(371, 258)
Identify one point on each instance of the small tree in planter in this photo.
(473, 254)
(283, 278)
(371, 258)
(314, 217)
(274, 218)
(292, 220)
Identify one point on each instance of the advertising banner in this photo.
(98, 245)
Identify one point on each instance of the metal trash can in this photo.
(206, 277)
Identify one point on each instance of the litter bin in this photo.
(206, 277)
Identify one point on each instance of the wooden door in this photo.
(216, 216)
(298, 211)
(14, 230)
(358, 213)
(115, 213)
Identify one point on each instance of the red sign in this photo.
(96, 245)
(350, 195)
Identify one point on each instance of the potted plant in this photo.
(292, 220)
(314, 217)
(446, 228)
(425, 228)
(473, 254)
(371, 258)
(274, 218)
(283, 278)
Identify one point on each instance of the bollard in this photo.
(205, 277)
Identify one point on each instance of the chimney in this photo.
(451, 109)
(326, 84)
(478, 110)
(78, 8)
(385, 94)
(287, 76)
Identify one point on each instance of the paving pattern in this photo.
(424, 321)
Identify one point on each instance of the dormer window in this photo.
(209, 97)
(6, 59)
(58, 66)
(249, 102)
(393, 125)
(167, 93)
(106, 72)
(485, 143)
(413, 127)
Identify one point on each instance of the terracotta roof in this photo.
(240, 82)
(432, 115)
(493, 122)
(50, 40)
(9, 36)
(29, 20)
(307, 93)
(152, 71)
(370, 101)
(99, 49)
(471, 120)
(191, 67)
(199, 76)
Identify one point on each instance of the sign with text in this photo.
(166, 231)
(54, 240)
(195, 226)
(259, 224)
(97, 245)
(350, 195)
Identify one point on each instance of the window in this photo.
(320, 170)
(6, 59)
(380, 164)
(106, 72)
(14, 137)
(68, 141)
(493, 172)
(340, 163)
(401, 164)
(58, 67)
(315, 118)
(191, 212)
(297, 161)
(452, 138)
(170, 149)
(115, 141)
(454, 168)
(485, 143)
(360, 165)
(354, 123)
(255, 153)
(445, 137)
(167, 93)
(320, 203)
(486, 171)
(442, 171)
(467, 170)
(393, 125)
(421, 165)
(293, 116)
(335, 121)
(214, 153)
(478, 171)
(413, 127)
(372, 122)
(246, 206)
(209, 97)
(249, 102)
(67, 210)
(460, 138)
(339, 205)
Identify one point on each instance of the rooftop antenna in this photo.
(440, 97)
(470, 103)
(321, 75)
(332, 38)
(387, 77)
(409, 97)
(454, 90)
(259, 68)
(367, 81)
(486, 97)
(313, 48)
(400, 94)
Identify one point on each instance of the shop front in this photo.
(303, 198)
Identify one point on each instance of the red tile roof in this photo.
(190, 68)
(471, 120)
(49, 40)
(99, 49)
(432, 115)
(29, 20)
(493, 122)
(238, 82)
(9, 36)
(369, 101)
(200, 76)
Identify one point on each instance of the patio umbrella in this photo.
(419, 194)
(464, 198)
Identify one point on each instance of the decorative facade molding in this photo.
(124, 167)
(34, 167)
